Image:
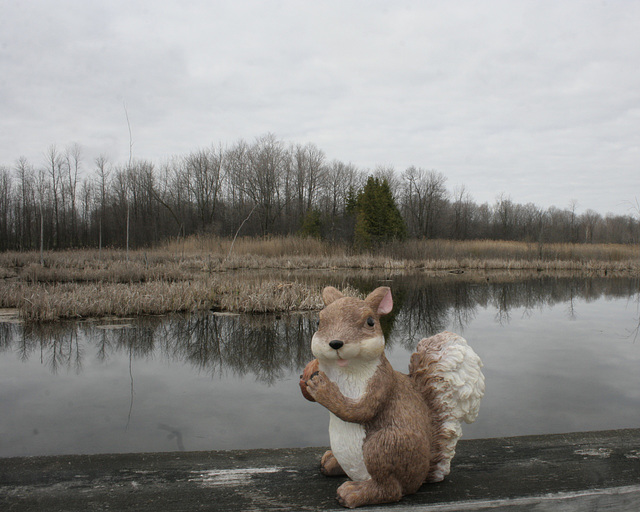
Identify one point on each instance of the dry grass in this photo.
(295, 252)
(47, 302)
(201, 273)
(474, 250)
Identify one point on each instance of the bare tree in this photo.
(73, 157)
(24, 171)
(126, 115)
(308, 172)
(262, 186)
(141, 202)
(267, 158)
(589, 221)
(119, 187)
(462, 209)
(506, 219)
(87, 197)
(55, 163)
(205, 174)
(425, 197)
(573, 226)
(103, 172)
(41, 187)
(6, 197)
(237, 198)
(635, 212)
(339, 178)
(169, 192)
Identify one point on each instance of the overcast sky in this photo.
(539, 100)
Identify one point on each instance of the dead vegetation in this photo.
(42, 302)
(204, 273)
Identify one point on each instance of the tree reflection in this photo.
(6, 336)
(635, 332)
(57, 344)
(269, 347)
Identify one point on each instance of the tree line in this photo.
(268, 187)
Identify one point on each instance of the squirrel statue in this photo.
(389, 432)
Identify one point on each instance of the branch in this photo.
(236, 236)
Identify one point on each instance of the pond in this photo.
(561, 354)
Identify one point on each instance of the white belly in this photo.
(346, 444)
(346, 438)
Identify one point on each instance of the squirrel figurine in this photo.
(389, 432)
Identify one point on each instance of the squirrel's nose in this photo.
(336, 344)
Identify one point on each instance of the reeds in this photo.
(204, 273)
(285, 252)
(47, 302)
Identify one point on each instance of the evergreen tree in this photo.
(378, 219)
(351, 202)
(311, 225)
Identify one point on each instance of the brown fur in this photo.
(346, 320)
(309, 370)
(397, 446)
(420, 371)
(329, 465)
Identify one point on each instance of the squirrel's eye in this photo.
(371, 322)
(318, 323)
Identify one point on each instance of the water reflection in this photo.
(268, 347)
(429, 309)
(264, 346)
(560, 355)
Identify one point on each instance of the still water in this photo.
(560, 355)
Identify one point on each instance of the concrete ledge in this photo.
(580, 471)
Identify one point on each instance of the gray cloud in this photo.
(539, 100)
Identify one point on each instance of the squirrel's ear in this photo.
(330, 294)
(380, 300)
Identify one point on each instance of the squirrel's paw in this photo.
(309, 370)
(355, 494)
(352, 494)
(329, 465)
(320, 387)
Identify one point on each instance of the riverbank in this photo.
(247, 275)
(572, 472)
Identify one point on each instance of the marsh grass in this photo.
(43, 302)
(204, 273)
(296, 252)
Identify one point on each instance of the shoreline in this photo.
(247, 291)
(260, 277)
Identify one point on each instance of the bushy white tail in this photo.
(448, 373)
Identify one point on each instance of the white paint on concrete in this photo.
(230, 477)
